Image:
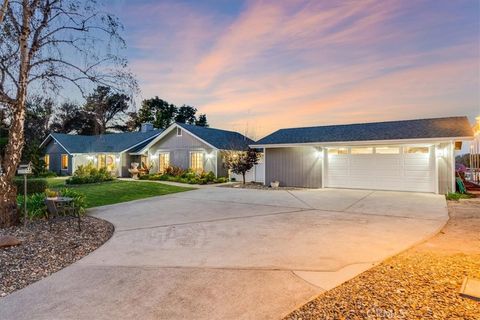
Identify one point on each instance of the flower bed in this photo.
(176, 174)
(89, 174)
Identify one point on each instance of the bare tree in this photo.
(51, 45)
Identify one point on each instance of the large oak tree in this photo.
(51, 45)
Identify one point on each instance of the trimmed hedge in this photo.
(35, 185)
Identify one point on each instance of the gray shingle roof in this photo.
(115, 142)
(390, 130)
(220, 139)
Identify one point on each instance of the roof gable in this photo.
(216, 138)
(451, 127)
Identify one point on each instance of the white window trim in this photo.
(190, 159)
(159, 153)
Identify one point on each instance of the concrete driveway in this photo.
(223, 253)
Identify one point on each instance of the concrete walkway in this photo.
(224, 253)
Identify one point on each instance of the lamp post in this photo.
(25, 169)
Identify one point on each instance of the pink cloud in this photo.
(288, 63)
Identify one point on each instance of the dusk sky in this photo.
(265, 65)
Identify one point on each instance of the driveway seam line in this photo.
(362, 198)
(237, 202)
(214, 220)
(302, 201)
(356, 214)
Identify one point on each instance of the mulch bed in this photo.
(44, 252)
(420, 283)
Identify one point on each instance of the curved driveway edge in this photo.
(223, 253)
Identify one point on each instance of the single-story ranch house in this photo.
(65, 152)
(411, 155)
(181, 145)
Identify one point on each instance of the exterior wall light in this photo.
(209, 156)
(319, 153)
(440, 153)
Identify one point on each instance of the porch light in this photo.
(90, 158)
(117, 159)
(209, 156)
(319, 153)
(440, 153)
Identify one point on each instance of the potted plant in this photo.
(275, 184)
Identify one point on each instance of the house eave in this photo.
(363, 142)
(52, 137)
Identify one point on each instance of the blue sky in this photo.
(262, 65)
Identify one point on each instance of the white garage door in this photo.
(381, 168)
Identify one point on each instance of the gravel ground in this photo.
(253, 185)
(44, 252)
(420, 283)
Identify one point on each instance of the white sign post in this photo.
(25, 169)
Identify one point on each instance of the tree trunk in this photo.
(8, 203)
(243, 175)
(13, 151)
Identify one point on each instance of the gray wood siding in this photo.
(221, 170)
(180, 147)
(294, 167)
(55, 151)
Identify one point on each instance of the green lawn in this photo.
(100, 194)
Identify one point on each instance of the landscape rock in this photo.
(8, 241)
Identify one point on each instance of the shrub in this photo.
(36, 207)
(457, 196)
(89, 174)
(174, 171)
(35, 185)
(78, 198)
(177, 174)
(47, 174)
(221, 180)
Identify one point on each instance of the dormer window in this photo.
(179, 132)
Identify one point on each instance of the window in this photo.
(163, 161)
(387, 150)
(196, 161)
(416, 150)
(64, 161)
(362, 150)
(106, 161)
(101, 161)
(179, 131)
(337, 151)
(46, 159)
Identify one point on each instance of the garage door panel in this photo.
(400, 172)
